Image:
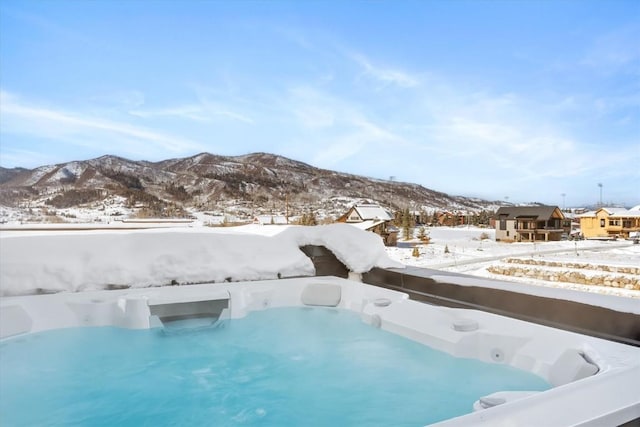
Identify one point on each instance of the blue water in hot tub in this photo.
(279, 367)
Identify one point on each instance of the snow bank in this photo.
(76, 261)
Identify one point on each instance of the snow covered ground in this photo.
(462, 250)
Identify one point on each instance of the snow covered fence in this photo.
(77, 261)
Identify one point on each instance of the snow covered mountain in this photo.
(261, 181)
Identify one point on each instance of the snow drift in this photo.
(77, 261)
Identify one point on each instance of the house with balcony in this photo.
(530, 224)
(610, 223)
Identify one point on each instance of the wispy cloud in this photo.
(615, 50)
(512, 137)
(341, 127)
(386, 75)
(360, 138)
(120, 99)
(207, 112)
(295, 36)
(24, 117)
(191, 112)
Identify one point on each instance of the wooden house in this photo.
(610, 223)
(530, 223)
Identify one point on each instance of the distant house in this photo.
(372, 218)
(610, 222)
(450, 219)
(270, 220)
(530, 223)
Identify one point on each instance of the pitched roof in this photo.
(614, 213)
(366, 225)
(625, 214)
(372, 212)
(540, 212)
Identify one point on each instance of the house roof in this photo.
(366, 225)
(540, 212)
(626, 214)
(367, 212)
(587, 214)
(615, 212)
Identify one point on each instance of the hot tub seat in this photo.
(572, 365)
(500, 398)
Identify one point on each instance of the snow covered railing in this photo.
(46, 262)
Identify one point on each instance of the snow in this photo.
(39, 174)
(72, 169)
(372, 212)
(53, 261)
(365, 225)
(64, 260)
(471, 255)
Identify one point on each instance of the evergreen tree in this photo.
(311, 219)
(421, 233)
(407, 224)
(308, 219)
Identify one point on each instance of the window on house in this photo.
(503, 225)
(602, 223)
(614, 222)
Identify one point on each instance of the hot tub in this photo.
(593, 381)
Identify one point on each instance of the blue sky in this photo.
(525, 100)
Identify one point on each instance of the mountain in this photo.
(259, 182)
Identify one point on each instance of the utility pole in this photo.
(600, 185)
(286, 207)
(392, 194)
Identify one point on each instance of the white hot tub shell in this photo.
(595, 381)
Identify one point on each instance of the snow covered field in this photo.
(461, 250)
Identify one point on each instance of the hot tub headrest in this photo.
(322, 294)
(572, 365)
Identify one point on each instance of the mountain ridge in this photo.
(210, 181)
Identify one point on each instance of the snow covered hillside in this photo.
(109, 187)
